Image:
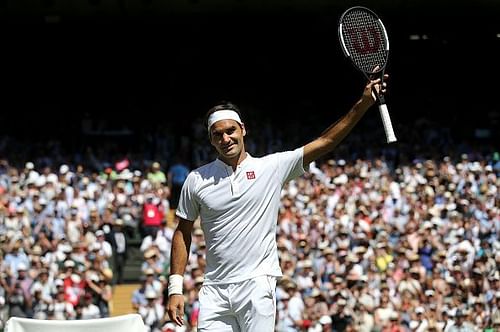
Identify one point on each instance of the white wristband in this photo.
(175, 283)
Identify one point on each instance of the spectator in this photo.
(156, 176)
(177, 174)
(152, 313)
(120, 253)
(153, 216)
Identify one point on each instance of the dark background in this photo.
(65, 61)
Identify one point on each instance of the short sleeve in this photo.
(188, 207)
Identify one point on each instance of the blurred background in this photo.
(123, 68)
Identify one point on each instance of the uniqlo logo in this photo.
(251, 175)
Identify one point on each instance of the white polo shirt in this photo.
(239, 213)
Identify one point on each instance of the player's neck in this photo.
(234, 162)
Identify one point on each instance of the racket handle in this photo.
(386, 120)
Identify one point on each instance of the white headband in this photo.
(222, 115)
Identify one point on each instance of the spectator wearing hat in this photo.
(74, 226)
(295, 310)
(463, 252)
(320, 306)
(62, 308)
(152, 216)
(382, 257)
(419, 271)
(24, 281)
(323, 324)
(363, 255)
(156, 176)
(327, 264)
(288, 265)
(341, 315)
(152, 313)
(284, 322)
(311, 298)
(354, 271)
(152, 283)
(461, 324)
(44, 282)
(394, 324)
(74, 288)
(152, 261)
(18, 304)
(68, 268)
(304, 278)
(410, 281)
(78, 255)
(106, 250)
(383, 313)
(14, 258)
(420, 317)
(89, 310)
(39, 306)
(340, 262)
(159, 240)
(480, 316)
(364, 320)
(101, 292)
(120, 253)
(139, 294)
(444, 320)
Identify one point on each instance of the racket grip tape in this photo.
(386, 120)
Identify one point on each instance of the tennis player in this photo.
(237, 198)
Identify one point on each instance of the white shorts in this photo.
(247, 306)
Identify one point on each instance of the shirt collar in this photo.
(222, 164)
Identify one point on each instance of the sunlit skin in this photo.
(226, 136)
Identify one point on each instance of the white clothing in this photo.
(106, 249)
(128, 322)
(160, 240)
(296, 307)
(249, 305)
(152, 315)
(238, 212)
(91, 311)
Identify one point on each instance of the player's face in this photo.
(227, 138)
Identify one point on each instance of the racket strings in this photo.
(365, 40)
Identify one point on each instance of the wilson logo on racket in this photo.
(364, 40)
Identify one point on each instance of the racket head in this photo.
(364, 40)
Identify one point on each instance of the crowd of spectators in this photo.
(373, 239)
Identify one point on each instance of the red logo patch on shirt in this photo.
(251, 175)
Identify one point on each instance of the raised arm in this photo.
(181, 244)
(334, 134)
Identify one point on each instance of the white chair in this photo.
(124, 323)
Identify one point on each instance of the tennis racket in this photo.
(364, 40)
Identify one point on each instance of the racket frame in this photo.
(379, 73)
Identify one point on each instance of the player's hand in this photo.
(175, 308)
(374, 88)
(380, 88)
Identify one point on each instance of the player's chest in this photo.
(245, 187)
